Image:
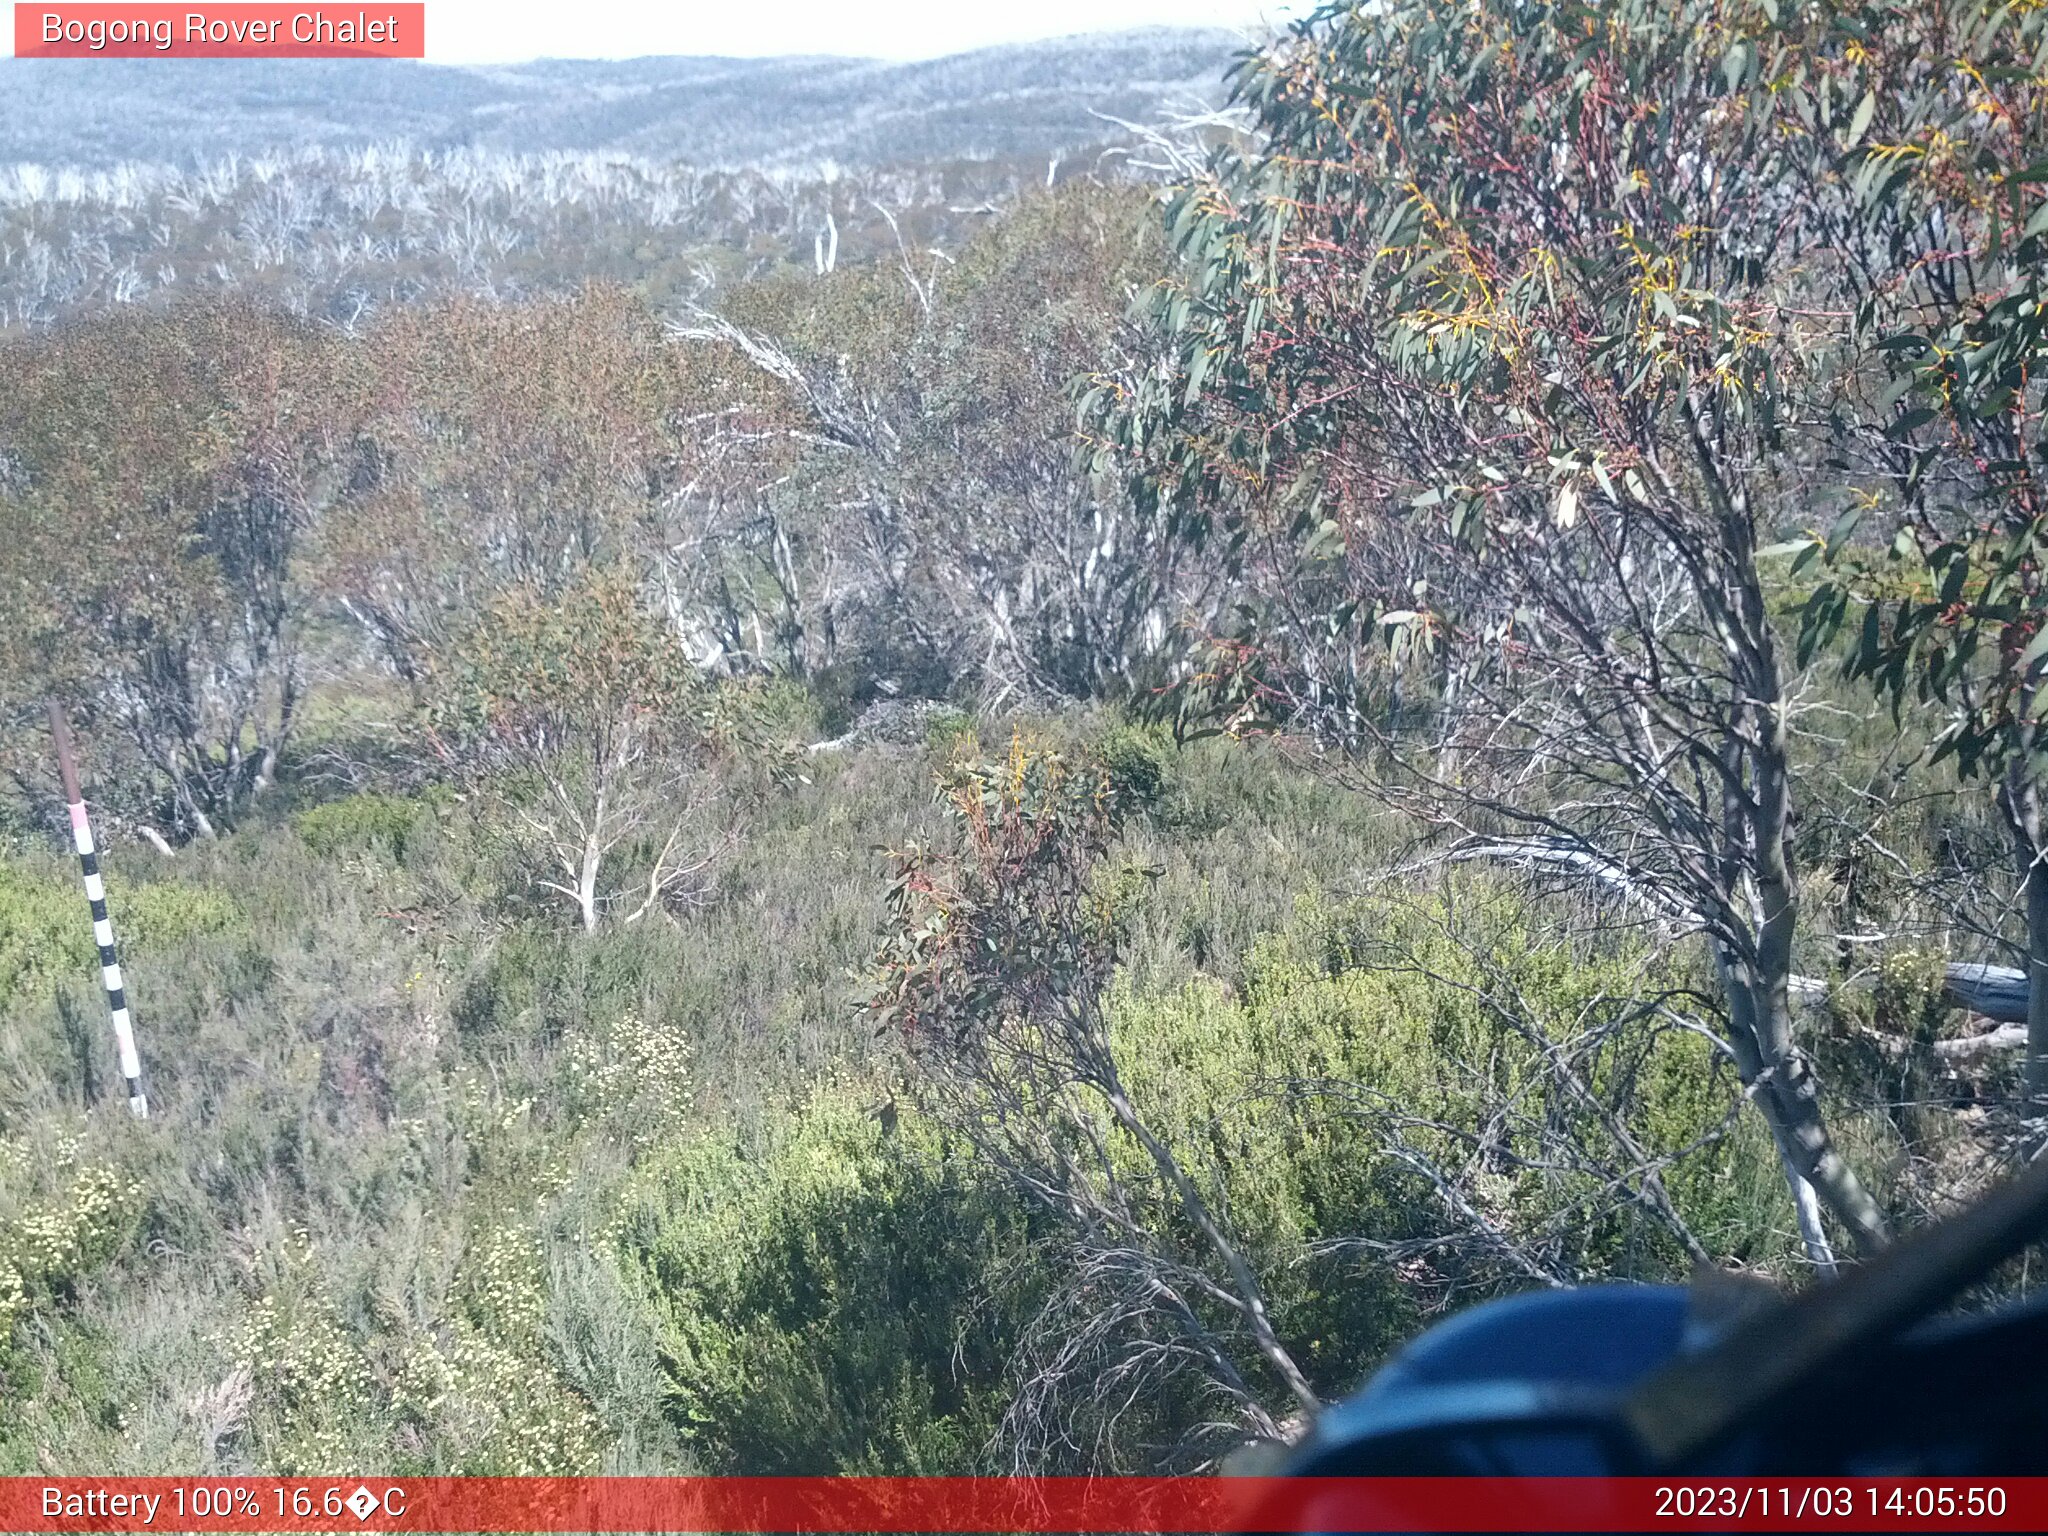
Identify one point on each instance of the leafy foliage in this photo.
(837, 1299)
(166, 468)
(1483, 364)
(575, 713)
(1944, 227)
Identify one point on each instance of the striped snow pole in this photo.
(102, 929)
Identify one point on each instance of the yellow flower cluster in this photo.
(628, 1065)
(18, 1153)
(502, 1284)
(490, 1392)
(50, 1237)
(483, 1113)
(60, 1236)
(504, 1410)
(13, 1299)
(310, 1373)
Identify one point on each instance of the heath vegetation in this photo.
(1025, 841)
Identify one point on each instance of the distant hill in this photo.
(1025, 99)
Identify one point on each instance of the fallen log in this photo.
(2007, 1037)
(1998, 992)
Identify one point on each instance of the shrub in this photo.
(1135, 757)
(486, 1390)
(627, 1072)
(496, 1411)
(949, 732)
(58, 1229)
(309, 1375)
(762, 717)
(363, 823)
(42, 931)
(1460, 1010)
(46, 932)
(840, 1298)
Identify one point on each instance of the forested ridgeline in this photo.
(1026, 843)
(341, 234)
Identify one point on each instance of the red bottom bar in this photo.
(830, 1506)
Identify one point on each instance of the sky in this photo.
(506, 31)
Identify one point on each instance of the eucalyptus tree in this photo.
(1498, 326)
(165, 470)
(995, 971)
(509, 446)
(1935, 210)
(936, 515)
(578, 720)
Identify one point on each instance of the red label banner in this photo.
(376, 31)
(834, 1506)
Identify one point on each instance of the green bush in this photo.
(1369, 1023)
(782, 709)
(949, 733)
(43, 930)
(164, 914)
(840, 1298)
(364, 823)
(46, 929)
(1136, 758)
(1442, 969)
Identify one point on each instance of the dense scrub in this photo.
(435, 1188)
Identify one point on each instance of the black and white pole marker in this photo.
(102, 929)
